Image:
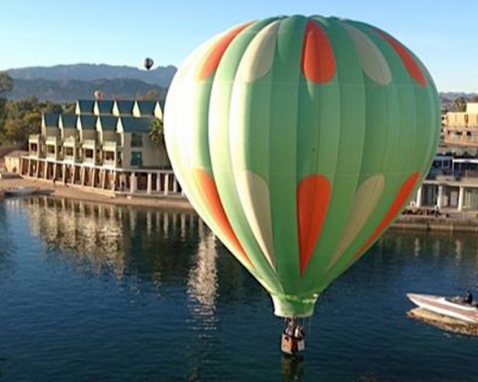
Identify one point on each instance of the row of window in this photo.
(136, 156)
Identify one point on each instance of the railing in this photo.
(109, 163)
(51, 155)
(35, 138)
(89, 143)
(70, 141)
(70, 158)
(52, 140)
(110, 145)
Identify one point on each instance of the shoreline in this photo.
(456, 222)
(79, 193)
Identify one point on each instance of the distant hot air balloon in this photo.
(148, 63)
(99, 95)
(298, 140)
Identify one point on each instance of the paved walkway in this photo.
(75, 192)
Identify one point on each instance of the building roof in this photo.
(51, 119)
(68, 121)
(124, 107)
(146, 108)
(136, 124)
(88, 121)
(108, 122)
(104, 106)
(85, 106)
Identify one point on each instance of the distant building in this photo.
(461, 128)
(105, 144)
(13, 161)
(452, 184)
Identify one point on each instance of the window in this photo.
(69, 151)
(110, 155)
(136, 140)
(136, 158)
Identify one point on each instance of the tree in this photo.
(151, 95)
(156, 134)
(6, 84)
(22, 118)
(69, 108)
(53, 108)
(459, 104)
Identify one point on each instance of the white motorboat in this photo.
(455, 307)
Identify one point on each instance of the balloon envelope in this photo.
(298, 140)
(99, 95)
(148, 63)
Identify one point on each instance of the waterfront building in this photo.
(104, 145)
(461, 128)
(452, 184)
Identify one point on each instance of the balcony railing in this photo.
(51, 140)
(70, 158)
(89, 143)
(70, 141)
(52, 156)
(111, 145)
(34, 138)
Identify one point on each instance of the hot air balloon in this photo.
(99, 95)
(148, 63)
(298, 140)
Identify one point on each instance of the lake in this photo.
(102, 293)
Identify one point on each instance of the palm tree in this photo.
(156, 134)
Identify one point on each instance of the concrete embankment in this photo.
(454, 223)
(79, 193)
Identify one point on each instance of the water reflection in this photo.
(102, 239)
(156, 245)
(417, 247)
(202, 282)
(441, 243)
(292, 369)
(85, 235)
(6, 246)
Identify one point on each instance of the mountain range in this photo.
(66, 83)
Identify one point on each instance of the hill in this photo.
(60, 91)
(160, 76)
(66, 83)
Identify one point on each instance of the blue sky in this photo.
(123, 32)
